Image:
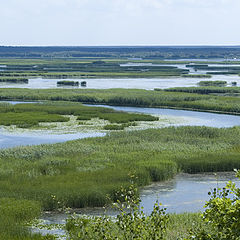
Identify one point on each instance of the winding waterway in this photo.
(170, 117)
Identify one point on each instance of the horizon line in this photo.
(125, 45)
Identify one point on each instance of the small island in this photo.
(68, 83)
(13, 80)
(212, 83)
(83, 83)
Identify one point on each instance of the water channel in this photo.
(170, 117)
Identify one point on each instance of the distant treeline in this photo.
(152, 52)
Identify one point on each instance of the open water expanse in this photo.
(138, 83)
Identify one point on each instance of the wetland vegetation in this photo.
(196, 75)
(68, 83)
(82, 173)
(14, 79)
(212, 83)
(171, 98)
(27, 115)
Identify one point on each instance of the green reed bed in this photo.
(62, 69)
(196, 75)
(29, 119)
(119, 127)
(13, 79)
(205, 90)
(80, 173)
(212, 83)
(224, 73)
(127, 74)
(68, 83)
(130, 97)
(14, 215)
(31, 114)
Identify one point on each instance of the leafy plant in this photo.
(130, 223)
(222, 214)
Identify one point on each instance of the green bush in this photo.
(222, 214)
(131, 222)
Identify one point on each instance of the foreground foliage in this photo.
(131, 222)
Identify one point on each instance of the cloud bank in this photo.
(119, 22)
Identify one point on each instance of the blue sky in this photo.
(119, 22)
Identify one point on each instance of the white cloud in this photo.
(113, 22)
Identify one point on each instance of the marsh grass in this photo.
(14, 79)
(68, 83)
(133, 97)
(196, 75)
(14, 215)
(29, 119)
(80, 173)
(31, 114)
(212, 83)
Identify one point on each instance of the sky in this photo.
(119, 22)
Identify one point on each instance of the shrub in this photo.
(222, 214)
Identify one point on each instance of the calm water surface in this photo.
(191, 118)
(139, 83)
(128, 83)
